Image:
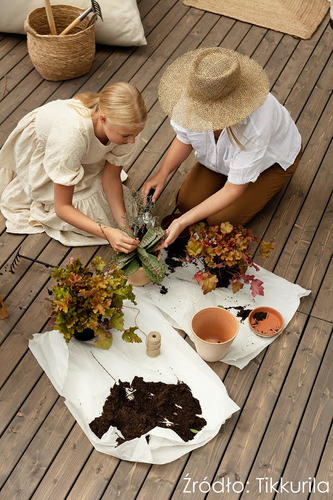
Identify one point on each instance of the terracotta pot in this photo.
(138, 278)
(214, 330)
(268, 323)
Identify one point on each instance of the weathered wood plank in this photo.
(317, 259)
(8, 43)
(31, 247)
(9, 62)
(299, 241)
(27, 421)
(315, 426)
(13, 392)
(27, 289)
(284, 422)
(325, 471)
(322, 307)
(297, 190)
(40, 452)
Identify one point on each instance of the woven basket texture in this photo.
(57, 57)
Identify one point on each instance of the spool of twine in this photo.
(153, 344)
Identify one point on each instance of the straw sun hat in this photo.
(212, 88)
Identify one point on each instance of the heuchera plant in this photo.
(91, 297)
(225, 247)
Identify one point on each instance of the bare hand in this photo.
(119, 240)
(157, 183)
(173, 231)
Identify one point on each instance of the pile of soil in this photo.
(242, 313)
(176, 254)
(136, 408)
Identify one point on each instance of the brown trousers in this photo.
(200, 183)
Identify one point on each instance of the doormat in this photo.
(298, 18)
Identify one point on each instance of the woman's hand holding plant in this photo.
(119, 240)
(176, 227)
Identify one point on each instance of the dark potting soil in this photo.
(242, 313)
(137, 407)
(259, 316)
(163, 290)
(176, 254)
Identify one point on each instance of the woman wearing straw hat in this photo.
(60, 168)
(246, 144)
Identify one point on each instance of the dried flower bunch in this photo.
(91, 297)
(225, 248)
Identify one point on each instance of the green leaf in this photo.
(194, 431)
(103, 341)
(151, 237)
(117, 320)
(130, 336)
(99, 263)
(131, 267)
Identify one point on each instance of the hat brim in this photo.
(194, 114)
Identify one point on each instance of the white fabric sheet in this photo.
(85, 385)
(184, 298)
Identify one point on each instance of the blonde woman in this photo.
(246, 144)
(60, 169)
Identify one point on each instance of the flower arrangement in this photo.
(225, 251)
(91, 297)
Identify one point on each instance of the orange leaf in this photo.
(236, 286)
(265, 248)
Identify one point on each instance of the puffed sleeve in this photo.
(181, 133)
(65, 146)
(122, 155)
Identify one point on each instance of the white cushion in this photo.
(121, 26)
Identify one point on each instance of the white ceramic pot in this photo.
(214, 330)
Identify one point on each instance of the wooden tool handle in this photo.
(71, 26)
(50, 18)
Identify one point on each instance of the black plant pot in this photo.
(86, 334)
(223, 275)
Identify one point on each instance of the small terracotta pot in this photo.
(267, 326)
(138, 278)
(214, 330)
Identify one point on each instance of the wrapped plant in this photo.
(91, 297)
(143, 256)
(145, 228)
(225, 251)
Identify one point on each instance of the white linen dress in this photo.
(56, 144)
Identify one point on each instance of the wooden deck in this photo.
(284, 426)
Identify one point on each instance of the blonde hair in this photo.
(121, 103)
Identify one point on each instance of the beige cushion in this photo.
(121, 26)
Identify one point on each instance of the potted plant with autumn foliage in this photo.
(225, 252)
(88, 301)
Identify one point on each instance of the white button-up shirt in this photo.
(269, 135)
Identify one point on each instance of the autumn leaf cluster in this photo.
(91, 297)
(224, 246)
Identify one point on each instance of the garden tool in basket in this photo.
(95, 8)
(50, 18)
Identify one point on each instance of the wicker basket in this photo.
(60, 57)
